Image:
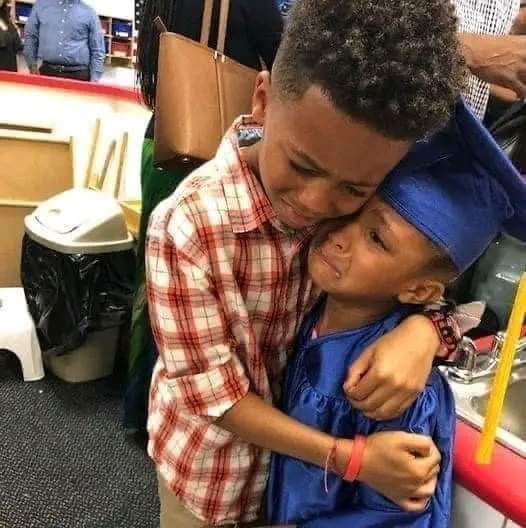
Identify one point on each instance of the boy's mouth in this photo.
(298, 217)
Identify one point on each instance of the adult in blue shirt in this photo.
(67, 37)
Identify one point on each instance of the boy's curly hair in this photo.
(393, 64)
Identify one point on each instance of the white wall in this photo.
(74, 114)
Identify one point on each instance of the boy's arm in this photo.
(433, 414)
(409, 482)
(392, 372)
(202, 371)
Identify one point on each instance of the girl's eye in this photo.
(354, 191)
(375, 238)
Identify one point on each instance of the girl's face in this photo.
(373, 257)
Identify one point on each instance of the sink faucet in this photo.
(473, 364)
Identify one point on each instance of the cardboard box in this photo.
(12, 222)
(132, 215)
(35, 166)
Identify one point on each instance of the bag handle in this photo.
(223, 22)
(159, 25)
(206, 23)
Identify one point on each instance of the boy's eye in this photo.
(299, 168)
(375, 238)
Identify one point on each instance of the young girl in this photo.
(433, 217)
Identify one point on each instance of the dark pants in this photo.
(67, 72)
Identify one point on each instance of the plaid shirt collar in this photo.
(246, 187)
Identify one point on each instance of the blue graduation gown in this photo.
(313, 395)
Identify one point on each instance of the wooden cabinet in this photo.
(35, 167)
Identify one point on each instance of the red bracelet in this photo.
(355, 462)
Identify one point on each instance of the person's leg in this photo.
(173, 513)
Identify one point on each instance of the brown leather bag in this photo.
(200, 92)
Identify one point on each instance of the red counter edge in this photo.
(501, 484)
(90, 88)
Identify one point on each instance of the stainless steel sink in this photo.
(472, 400)
(513, 415)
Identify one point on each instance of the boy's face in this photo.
(316, 163)
(376, 256)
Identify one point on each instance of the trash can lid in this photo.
(80, 221)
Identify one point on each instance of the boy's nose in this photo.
(315, 198)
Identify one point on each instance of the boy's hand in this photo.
(390, 373)
(413, 466)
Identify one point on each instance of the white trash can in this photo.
(68, 236)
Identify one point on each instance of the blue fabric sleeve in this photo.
(97, 48)
(31, 37)
(433, 414)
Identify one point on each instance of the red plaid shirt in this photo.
(227, 293)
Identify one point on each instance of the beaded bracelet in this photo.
(448, 331)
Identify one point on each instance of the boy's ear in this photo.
(261, 97)
(424, 292)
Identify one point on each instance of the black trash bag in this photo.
(71, 295)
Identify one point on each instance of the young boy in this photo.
(354, 84)
(432, 218)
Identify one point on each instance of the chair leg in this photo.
(32, 366)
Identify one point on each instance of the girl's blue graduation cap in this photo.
(459, 189)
